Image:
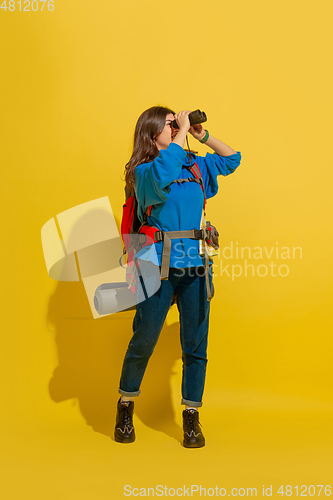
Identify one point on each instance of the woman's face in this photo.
(167, 135)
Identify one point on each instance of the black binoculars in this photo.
(195, 117)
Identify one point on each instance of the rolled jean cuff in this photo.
(129, 394)
(195, 404)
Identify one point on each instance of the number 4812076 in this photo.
(35, 5)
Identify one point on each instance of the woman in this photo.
(158, 159)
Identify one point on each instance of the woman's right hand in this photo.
(183, 120)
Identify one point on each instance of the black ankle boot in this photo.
(124, 430)
(193, 437)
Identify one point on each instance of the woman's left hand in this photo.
(197, 131)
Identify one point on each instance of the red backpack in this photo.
(130, 224)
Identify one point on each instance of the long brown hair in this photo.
(150, 124)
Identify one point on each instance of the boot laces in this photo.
(125, 416)
(193, 421)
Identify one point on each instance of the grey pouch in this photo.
(214, 236)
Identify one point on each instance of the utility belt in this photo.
(158, 235)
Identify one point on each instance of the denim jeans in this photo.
(194, 322)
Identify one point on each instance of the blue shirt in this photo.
(178, 207)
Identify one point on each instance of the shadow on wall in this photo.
(90, 354)
(91, 351)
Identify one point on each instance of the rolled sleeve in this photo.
(213, 165)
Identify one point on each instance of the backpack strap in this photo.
(195, 171)
(189, 179)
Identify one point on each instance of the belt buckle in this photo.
(158, 236)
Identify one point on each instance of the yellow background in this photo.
(73, 83)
